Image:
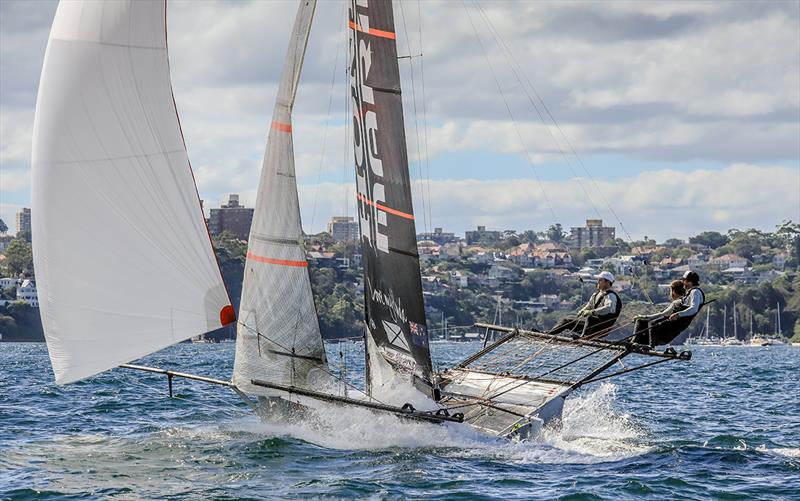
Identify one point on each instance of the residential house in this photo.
(740, 274)
(729, 261)
(779, 260)
(26, 292)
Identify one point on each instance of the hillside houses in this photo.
(729, 261)
(546, 255)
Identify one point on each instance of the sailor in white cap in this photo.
(599, 313)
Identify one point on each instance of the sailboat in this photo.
(732, 341)
(111, 175)
(704, 339)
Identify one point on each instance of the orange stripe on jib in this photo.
(282, 126)
(384, 208)
(373, 31)
(279, 262)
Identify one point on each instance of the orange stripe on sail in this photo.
(384, 208)
(283, 127)
(280, 262)
(373, 31)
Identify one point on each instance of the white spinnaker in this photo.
(278, 337)
(123, 260)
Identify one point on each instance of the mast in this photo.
(725, 322)
(735, 333)
(397, 336)
(708, 316)
(111, 176)
(278, 337)
(778, 321)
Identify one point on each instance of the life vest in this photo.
(683, 322)
(608, 319)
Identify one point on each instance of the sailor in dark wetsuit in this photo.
(599, 313)
(663, 327)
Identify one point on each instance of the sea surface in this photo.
(725, 425)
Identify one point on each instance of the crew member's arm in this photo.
(589, 304)
(662, 314)
(695, 302)
(609, 306)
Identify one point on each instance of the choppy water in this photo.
(725, 425)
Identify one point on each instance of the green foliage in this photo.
(19, 258)
(713, 239)
(20, 322)
(529, 236)
(556, 233)
(230, 253)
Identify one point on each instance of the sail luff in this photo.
(278, 336)
(394, 308)
(124, 264)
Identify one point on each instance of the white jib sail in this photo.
(278, 337)
(124, 263)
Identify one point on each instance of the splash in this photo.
(592, 431)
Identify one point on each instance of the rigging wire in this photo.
(325, 130)
(424, 112)
(510, 113)
(348, 120)
(515, 65)
(237, 409)
(425, 212)
(323, 368)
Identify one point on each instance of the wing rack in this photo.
(528, 374)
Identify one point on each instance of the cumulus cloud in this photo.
(660, 204)
(712, 83)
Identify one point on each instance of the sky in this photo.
(665, 119)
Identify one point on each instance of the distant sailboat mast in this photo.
(725, 322)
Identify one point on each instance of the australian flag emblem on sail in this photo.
(419, 335)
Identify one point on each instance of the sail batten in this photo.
(394, 307)
(278, 337)
(123, 260)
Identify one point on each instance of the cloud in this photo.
(685, 83)
(660, 204)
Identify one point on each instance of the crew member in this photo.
(663, 330)
(652, 329)
(599, 313)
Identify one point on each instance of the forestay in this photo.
(278, 338)
(124, 263)
(394, 309)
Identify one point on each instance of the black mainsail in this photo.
(397, 338)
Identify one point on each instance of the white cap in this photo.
(686, 273)
(606, 275)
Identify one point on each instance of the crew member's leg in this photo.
(567, 323)
(642, 331)
(596, 326)
(668, 330)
